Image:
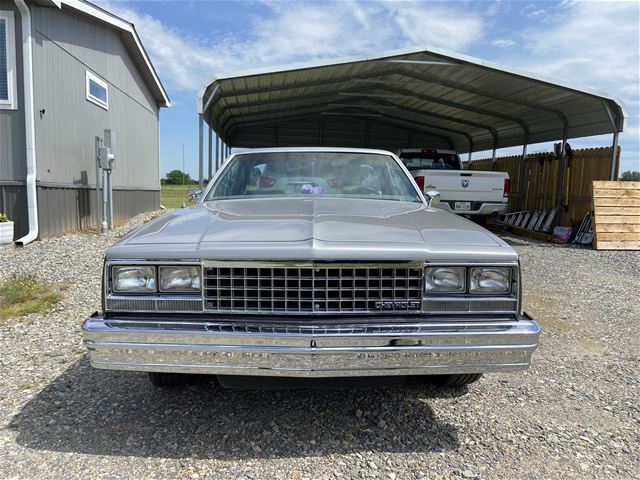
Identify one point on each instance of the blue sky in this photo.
(590, 44)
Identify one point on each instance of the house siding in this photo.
(12, 147)
(66, 45)
(13, 169)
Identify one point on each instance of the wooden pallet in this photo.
(616, 215)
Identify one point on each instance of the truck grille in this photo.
(313, 288)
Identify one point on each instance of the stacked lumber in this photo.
(616, 210)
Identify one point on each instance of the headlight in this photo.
(133, 279)
(490, 280)
(179, 279)
(444, 279)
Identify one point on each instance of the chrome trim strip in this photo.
(307, 264)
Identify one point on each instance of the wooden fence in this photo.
(541, 180)
(616, 215)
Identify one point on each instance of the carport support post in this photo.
(614, 148)
(614, 156)
(561, 166)
(495, 147)
(522, 176)
(209, 151)
(217, 153)
(201, 154)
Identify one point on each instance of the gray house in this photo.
(68, 70)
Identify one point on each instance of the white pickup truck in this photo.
(467, 192)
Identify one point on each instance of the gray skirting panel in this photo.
(13, 202)
(68, 209)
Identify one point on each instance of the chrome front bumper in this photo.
(235, 347)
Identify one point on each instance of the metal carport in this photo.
(409, 98)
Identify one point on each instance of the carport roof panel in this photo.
(426, 96)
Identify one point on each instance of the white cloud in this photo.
(592, 44)
(537, 13)
(503, 42)
(294, 31)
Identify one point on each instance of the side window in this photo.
(412, 163)
(97, 90)
(227, 184)
(8, 90)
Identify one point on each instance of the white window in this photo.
(8, 90)
(97, 90)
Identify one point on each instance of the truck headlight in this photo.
(444, 279)
(490, 280)
(179, 279)
(133, 279)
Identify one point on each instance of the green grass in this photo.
(173, 196)
(21, 296)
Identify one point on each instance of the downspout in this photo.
(29, 127)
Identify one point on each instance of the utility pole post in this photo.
(98, 196)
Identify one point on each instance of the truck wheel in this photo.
(458, 380)
(163, 379)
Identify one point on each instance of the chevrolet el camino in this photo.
(312, 262)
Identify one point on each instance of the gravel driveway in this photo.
(574, 414)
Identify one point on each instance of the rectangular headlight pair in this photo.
(481, 280)
(144, 279)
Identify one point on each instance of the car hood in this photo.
(310, 228)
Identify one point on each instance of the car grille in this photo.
(313, 288)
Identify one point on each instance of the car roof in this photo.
(315, 150)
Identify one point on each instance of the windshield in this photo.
(430, 160)
(320, 174)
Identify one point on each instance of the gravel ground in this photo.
(574, 414)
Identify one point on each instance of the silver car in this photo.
(312, 262)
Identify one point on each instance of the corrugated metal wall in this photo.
(62, 210)
(13, 202)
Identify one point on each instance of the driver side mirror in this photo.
(194, 195)
(433, 198)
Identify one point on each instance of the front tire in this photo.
(458, 380)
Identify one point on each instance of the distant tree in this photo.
(630, 176)
(175, 177)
